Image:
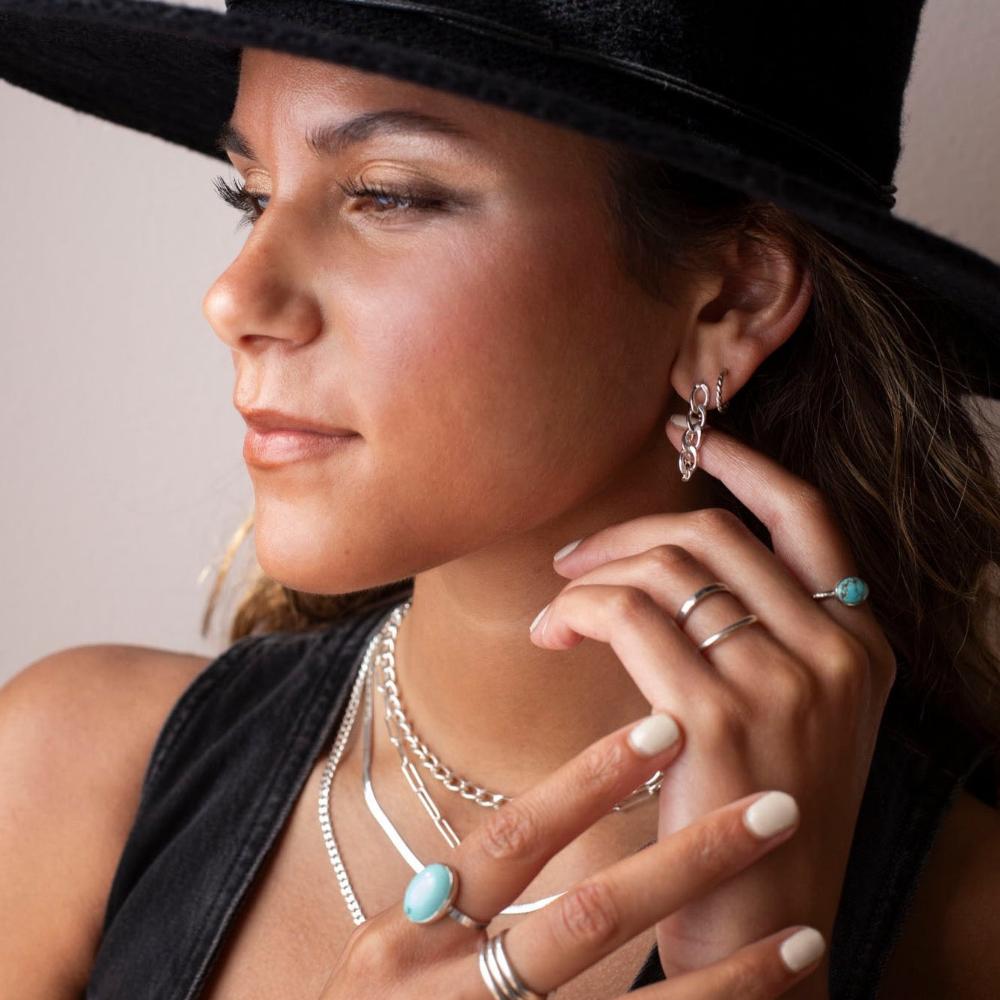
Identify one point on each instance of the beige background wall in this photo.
(122, 475)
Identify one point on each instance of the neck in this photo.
(496, 709)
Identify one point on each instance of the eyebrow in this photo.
(333, 138)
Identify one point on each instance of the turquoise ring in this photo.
(429, 896)
(852, 590)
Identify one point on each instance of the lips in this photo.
(271, 448)
(266, 420)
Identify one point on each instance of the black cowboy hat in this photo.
(799, 104)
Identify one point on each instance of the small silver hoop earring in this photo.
(718, 390)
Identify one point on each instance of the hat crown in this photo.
(832, 76)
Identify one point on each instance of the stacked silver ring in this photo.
(699, 595)
(499, 975)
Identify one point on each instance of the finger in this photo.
(502, 856)
(603, 912)
(658, 655)
(805, 533)
(756, 971)
(735, 556)
(669, 574)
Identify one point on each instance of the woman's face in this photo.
(499, 368)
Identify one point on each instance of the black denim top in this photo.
(237, 747)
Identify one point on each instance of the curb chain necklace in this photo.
(395, 714)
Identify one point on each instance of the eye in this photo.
(403, 201)
(238, 196)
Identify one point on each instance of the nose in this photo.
(263, 296)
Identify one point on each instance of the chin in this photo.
(304, 560)
(307, 570)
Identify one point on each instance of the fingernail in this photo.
(566, 550)
(802, 948)
(770, 814)
(678, 420)
(654, 734)
(538, 618)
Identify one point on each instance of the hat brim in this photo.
(172, 71)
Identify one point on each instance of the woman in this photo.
(465, 339)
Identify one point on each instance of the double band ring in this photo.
(699, 595)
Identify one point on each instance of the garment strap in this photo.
(227, 767)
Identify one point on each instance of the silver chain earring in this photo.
(687, 460)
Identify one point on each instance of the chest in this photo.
(293, 923)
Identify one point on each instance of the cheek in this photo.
(502, 381)
(497, 382)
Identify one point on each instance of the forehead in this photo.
(287, 84)
(279, 90)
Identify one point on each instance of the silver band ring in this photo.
(465, 920)
(699, 595)
(722, 633)
(499, 975)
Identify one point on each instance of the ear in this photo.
(739, 314)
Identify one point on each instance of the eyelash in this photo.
(238, 196)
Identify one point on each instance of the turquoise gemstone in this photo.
(429, 893)
(851, 590)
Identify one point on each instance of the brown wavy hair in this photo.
(861, 401)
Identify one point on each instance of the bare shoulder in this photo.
(950, 942)
(77, 729)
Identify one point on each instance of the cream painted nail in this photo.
(538, 618)
(654, 734)
(566, 550)
(770, 814)
(678, 420)
(802, 948)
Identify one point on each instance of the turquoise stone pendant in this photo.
(430, 893)
(851, 590)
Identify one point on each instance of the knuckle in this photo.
(365, 953)
(629, 604)
(601, 765)
(810, 502)
(717, 521)
(588, 916)
(843, 656)
(714, 848)
(511, 833)
(665, 558)
(749, 975)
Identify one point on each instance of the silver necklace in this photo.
(336, 751)
(395, 715)
(333, 759)
(385, 636)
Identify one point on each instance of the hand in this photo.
(388, 956)
(792, 702)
